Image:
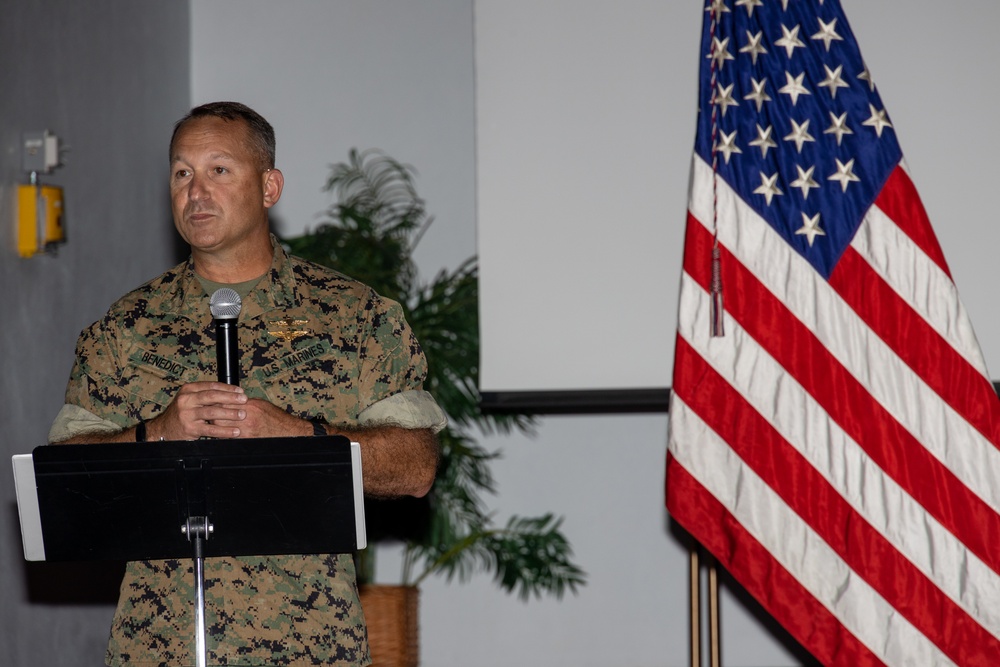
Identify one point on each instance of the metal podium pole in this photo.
(198, 530)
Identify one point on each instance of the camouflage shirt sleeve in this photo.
(94, 381)
(391, 358)
(408, 409)
(73, 420)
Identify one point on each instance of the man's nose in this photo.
(198, 188)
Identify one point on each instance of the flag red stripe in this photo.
(959, 383)
(900, 201)
(752, 565)
(813, 498)
(863, 419)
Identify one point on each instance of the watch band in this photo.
(319, 427)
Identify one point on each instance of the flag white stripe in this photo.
(793, 544)
(792, 411)
(896, 387)
(920, 281)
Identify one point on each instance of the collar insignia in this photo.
(287, 328)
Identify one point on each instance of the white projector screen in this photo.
(585, 128)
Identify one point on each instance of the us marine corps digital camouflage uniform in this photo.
(314, 343)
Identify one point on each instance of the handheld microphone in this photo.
(225, 305)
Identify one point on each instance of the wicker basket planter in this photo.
(391, 614)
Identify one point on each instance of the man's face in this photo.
(217, 187)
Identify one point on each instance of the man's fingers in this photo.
(198, 405)
(221, 431)
(208, 396)
(216, 414)
(204, 390)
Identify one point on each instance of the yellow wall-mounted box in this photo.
(36, 233)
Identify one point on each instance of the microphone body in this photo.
(227, 351)
(226, 305)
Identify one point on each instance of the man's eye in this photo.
(221, 170)
(181, 173)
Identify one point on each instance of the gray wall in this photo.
(109, 77)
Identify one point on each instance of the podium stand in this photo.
(158, 500)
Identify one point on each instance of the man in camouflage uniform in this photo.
(321, 353)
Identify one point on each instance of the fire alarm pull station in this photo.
(39, 207)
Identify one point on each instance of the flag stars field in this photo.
(768, 187)
(877, 120)
(827, 33)
(810, 228)
(790, 40)
(753, 47)
(833, 80)
(758, 96)
(727, 145)
(844, 174)
(724, 98)
(805, 181)
(838, 126)
(763, 140)
(791, 88)
(799, 134)
(750, 5)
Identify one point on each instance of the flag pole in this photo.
(714, 648)
(694, 576)
(714, 637)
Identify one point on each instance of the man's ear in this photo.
(274, 181)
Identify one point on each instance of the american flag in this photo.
(836, 448)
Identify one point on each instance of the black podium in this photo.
(148, 501)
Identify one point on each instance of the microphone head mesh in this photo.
(225, 304)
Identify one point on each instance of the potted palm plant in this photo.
(370, 232)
